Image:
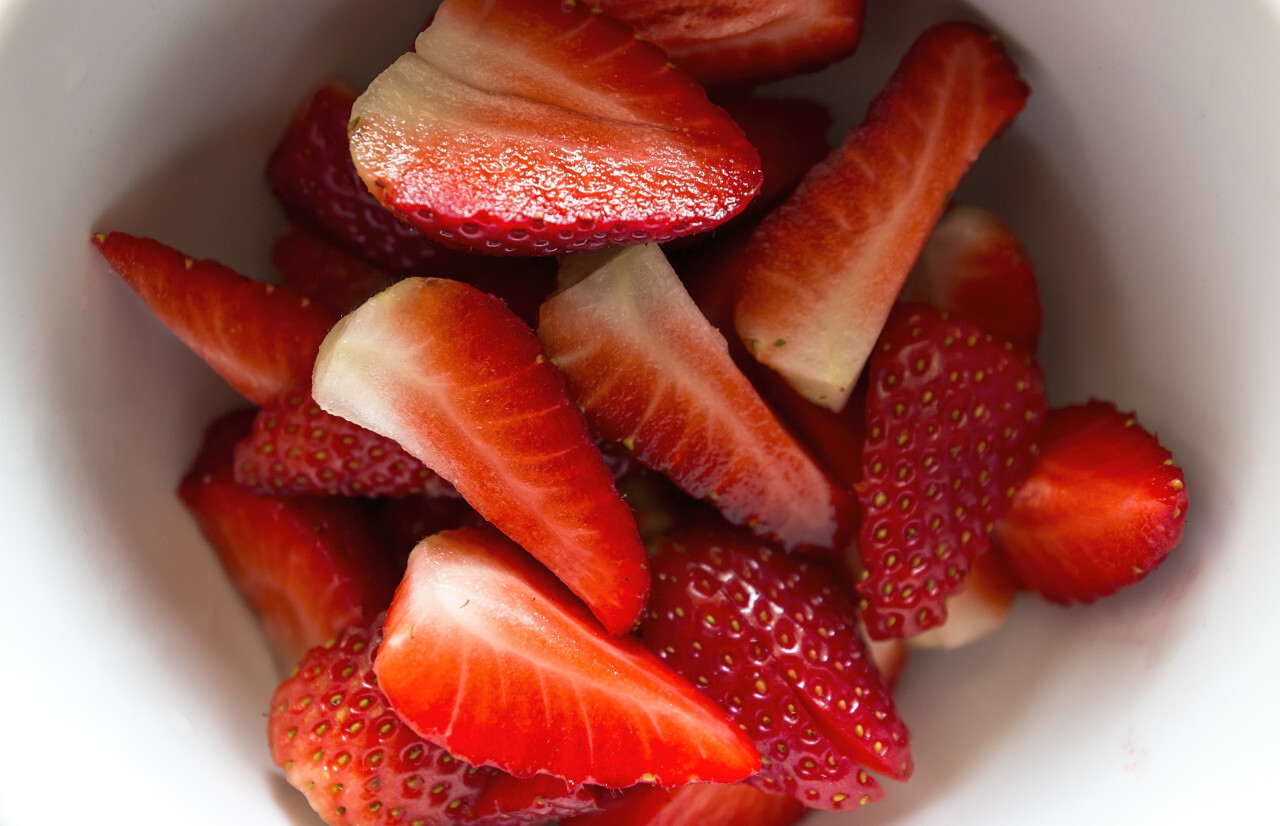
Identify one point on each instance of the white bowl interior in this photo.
(1144, 178)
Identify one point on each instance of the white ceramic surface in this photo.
(1144, 178)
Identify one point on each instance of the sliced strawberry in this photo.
(260, 337)
(975, 268)
(1102, 509)
(653, 375)
(953, 418)
(769, 638)
(698, 804)
(308, 567)
(824, 269)
(487, 655)
(977, 611)
(745, 41)
(324, 273)
(569, 134)
(533, 801)
(890, 657)
(461, 383)
(403, 523)
(296, 447)
(790, 135)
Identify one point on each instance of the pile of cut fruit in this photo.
(563, 508)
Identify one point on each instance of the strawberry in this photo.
(768, 637)
(745, 42)
(260, 337)
(975, 268)
(296, 447)
(698, 804)
(1102, 509)
(569, 134)
(487, 655)
(653, 375)
(953, 417)
(403, 523)
(461, 383)
(339, 742)
(822, 270)
(330, 277)
(307, 567)
(790, 135)
(977, 611)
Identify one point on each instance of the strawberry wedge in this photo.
(536, 127)
(260, 337)
(460, 382)
(653, 375)
(823, 270)
(488, 656)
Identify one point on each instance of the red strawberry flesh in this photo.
(698, 804)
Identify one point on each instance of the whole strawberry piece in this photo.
(296, 447)
(771, 639)
(1103, 507)
(953, 417)
(571, 133)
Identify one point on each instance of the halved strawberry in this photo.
(653, 375)
(823, 270)
(461, 383)
(260, 337)
(975, 268)
(953, 417)
(698, 804)
(1102, 509)
(570, 133)
(745, 41)
(487, 655)
(296, 447)
(771, 639)
(308, 567)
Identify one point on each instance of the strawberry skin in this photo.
(462, 384)
(767, 636)
(823, 270)
(571, 133)
(260, 337)
(324, 273)
(297, 448)
(698, 804)
(307, 567)
(722, 42)
(1102, 509)
(953, 418)
(653, 375)
(487, 655)
(975, 268)
(790, 135)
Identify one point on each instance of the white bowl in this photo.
(1144, 177)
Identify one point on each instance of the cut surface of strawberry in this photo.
(654, 376)
(462, 384)
(568, 134)
(773, 641)
(974, 267)
(698, 804)
(308, 567)
(487, 655)
(532, 801)
(297, 448)
(1103, 507)
(953, 419)
(823, 270)
(260, 337)
(745, 42)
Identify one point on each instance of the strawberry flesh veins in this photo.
(487, 655)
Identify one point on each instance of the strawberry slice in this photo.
(745, 42)
(653, 375)
(571, 133)
(461, 383)
(297, 448)
(260, 337)
(979, 610)
(698, 804)
(768, 637)
(324, 273)
(1102, 509)
(790, 135)
(823, 270)
(975, 268)
(953, 418)
(487, 655)
(533, 801)
(307, 567)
